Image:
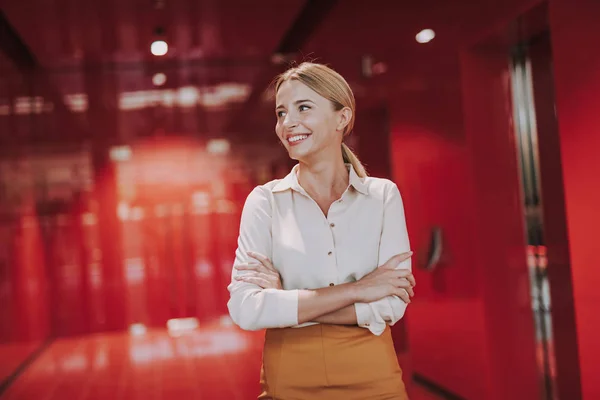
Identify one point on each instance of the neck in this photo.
(327, 178)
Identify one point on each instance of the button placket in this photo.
(332, 233)
(332, 238)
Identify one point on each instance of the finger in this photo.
(402, 257)
(397, 259)
(263, 260)
(248, 267)
(245, 273)
(273, 276)
(402, 283)
(263, 283)
(406, 274)
(255, 281)
(274, 280)
(406, 285)
(403, 294)
(259, 274)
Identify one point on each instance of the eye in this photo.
(280, 114)
(303, 107)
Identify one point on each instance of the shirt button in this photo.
(330, 253)
(331, 284)
(332, 225)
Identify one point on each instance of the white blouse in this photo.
(362, 230)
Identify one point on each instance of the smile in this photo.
(296, 139)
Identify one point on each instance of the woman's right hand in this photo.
(386, 280)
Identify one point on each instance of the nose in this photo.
(289, 121)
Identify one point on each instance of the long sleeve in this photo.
(394, 240)
(250, 306)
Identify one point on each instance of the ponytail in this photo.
(350, 157)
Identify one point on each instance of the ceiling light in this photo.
(159, 47)
(425, 36)
(159, 79)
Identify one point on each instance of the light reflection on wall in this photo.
(31, 105)
(185, 97)
(203, 269)
(134, 270)
(77, 102)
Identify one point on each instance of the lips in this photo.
(297, 139)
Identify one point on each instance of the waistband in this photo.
(323, 330)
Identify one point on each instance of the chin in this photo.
(298, 154)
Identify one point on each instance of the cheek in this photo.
(278, 130)
(319, 123)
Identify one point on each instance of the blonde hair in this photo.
(332, 86)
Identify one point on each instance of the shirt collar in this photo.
(291, 181)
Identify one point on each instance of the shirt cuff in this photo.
(363, 314)
(365, 318)
(285, 308)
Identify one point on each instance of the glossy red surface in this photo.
(499, 242)
(13, 355)
(556, 236)
(216, 361)
(577, 76)
(477, 301)
(430, 162)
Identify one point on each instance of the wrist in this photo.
(353, 292)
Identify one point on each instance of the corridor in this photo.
(132, 134)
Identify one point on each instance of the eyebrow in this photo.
(296, 102)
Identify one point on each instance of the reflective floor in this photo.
(13, 355)
(217, 361)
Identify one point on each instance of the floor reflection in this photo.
(215, 361)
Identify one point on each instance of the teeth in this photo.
(296, 138)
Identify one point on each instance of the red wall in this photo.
(24, 319)
(471, 327)
(499, 242)
(575, 33)
(430, 163)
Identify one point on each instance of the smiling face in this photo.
(307, 123)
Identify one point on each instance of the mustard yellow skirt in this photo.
(330, 362)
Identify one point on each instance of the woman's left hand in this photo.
(262, 273)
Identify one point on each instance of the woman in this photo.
(309, 248)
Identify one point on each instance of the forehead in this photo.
(293, 90)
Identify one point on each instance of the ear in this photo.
(344, 118)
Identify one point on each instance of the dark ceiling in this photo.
(73, 43)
